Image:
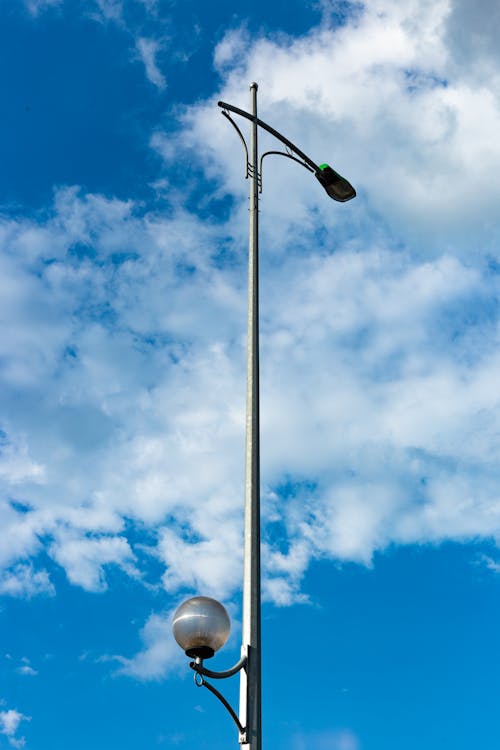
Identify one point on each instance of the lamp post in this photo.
(201, 624)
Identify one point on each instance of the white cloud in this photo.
(103, 10)
(382, 99)
(490, 563)
(15, 463)
(84, 558)
(26, 669)
(24, 582)
(9, 725)
(20, 539)
(147, 50)
(160, 653)
(232, 49)
(109, 10)
(373, 370)
(202, 566)
(193, 416)
(471, 36)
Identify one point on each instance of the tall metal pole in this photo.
(250, 686)
(186, 624)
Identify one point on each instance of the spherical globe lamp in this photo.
(201, 626)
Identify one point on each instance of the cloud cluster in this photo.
(108, 351)
(391, 101)
(24, 582)
(122, 372)
(9, 725)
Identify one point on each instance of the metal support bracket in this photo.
(303, 159)
(197, 666)
(225, 107)
(199, 679)
(242, 139)
(280, 153)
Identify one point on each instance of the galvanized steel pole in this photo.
(250, 686)
(203, 643)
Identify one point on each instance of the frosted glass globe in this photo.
(201, 626)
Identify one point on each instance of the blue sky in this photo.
(123, 233)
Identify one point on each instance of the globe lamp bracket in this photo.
(197, 666)
(199, 681)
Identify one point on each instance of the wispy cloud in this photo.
(147, 51)
(159, 655)
(335, 739)
(109, 10)
(37, 6)
(145, 48)
(26, 669)
(490, 563)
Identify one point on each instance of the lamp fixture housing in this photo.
(336, 186)
(201, 626)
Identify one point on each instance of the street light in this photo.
(201, 625)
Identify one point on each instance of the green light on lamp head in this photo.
(336, 186)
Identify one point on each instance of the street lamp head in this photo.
(335, 185)
(201, 626)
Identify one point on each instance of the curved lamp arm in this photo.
(280, 153)
(228, 117)
(336, 186)
(271, 130)
(232, 713)
(199, 678)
